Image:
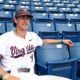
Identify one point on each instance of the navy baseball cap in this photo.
(23, 12)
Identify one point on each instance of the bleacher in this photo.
(54, 19)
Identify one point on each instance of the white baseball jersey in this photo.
(18, 52)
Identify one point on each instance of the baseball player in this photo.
(17, 50)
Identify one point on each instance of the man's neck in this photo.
(19, 33)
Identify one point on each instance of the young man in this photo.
(17, 50)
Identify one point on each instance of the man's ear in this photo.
(15, 20)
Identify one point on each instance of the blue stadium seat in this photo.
(76, 10)
(2, 28)
(5, 16)
(24, 3)
(38, 9)
(73, 17)
(59, 4)
(78, 5)
(43, 27)
(7, 7)
(56, 1)
(14, 2)
(1, 1)
(24, 6)
(65, 27)
(10, 26)
(40, 15)
(72, 35)
(75, 53)
(53, 59)
(78, 26)
(75, 2)
(66, 1)
(52, 9)
(65, 10)
(47, 1)
(37, 3)
(49, 35)
(57, 17)
(70, 5)
(47, 4)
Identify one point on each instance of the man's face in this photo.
(22, 22)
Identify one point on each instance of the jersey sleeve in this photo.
(38, 40)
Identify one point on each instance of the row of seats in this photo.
(7, 16)
(44, 15)
(43, 27)
(39, 2)
(41, 5)
(8, 7)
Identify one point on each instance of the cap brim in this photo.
(25, 15)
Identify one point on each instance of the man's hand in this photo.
(68, 42)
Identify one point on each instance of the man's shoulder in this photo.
(7, 34)
(32, 33)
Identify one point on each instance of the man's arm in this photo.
(55, 41)
(7, 75)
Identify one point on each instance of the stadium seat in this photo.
(1, 1)
(24, 6)
(66, 1)
(24, 3)
(9, 26)
(75, 53)
(2, 28)
(49, 35)
(13, 2)
(53, 59)
(65, 27)
(47, 4)
(5, 16)
(38, 9)
(8, 7)
(45, 1)
(76, 10)
(70, 5)
(43, 27)
(73, 17)
(36, 3)
(40, 15)
(52, 9)
(57, 17)
(78, 26)
(65, 10)
(59, 5)
(72, 35)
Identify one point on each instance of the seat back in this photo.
(65, 27)
(75, 51)
(72, 35)
(49, 35)
(2, 28)
(43, 27)
(51, 53)
(56, 58)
